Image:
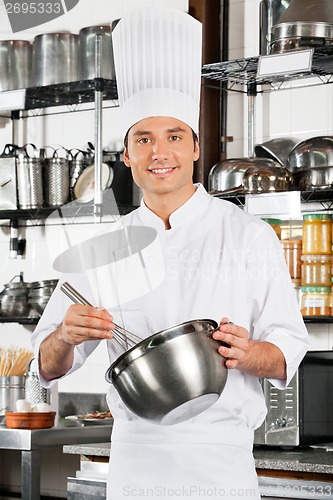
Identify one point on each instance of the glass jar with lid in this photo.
(316, 270)
(317, 234)
(292, 250)
(316, 301)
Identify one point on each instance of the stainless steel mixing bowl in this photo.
(172, 375)
(315, 152)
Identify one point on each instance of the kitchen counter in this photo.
(30, 442)
(318, 460)
(313, 460)
(295, 473)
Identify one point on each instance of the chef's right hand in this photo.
(85, 323)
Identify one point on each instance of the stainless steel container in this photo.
(87, 52)
(15, 64)
(11, 389)
(55, 58)
(270, 11)
(56, 181)
(29, 179)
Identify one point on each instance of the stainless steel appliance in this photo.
(301, 414)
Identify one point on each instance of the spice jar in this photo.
(316, 270)
(316, 301)
(276, 225)
(317, 234)
(292, 253)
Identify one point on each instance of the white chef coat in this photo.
(214, 261)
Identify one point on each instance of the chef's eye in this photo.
(175, 138)
(143, 140)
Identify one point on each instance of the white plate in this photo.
(84, 188)
(83, 420)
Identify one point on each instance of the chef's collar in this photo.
(184, 213)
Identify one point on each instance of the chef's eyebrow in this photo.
(174, 130)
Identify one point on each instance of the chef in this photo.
(208, 259)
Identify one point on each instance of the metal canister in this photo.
(87, 52)
(11, 389)
(15, 64)
(34, 392)
(29, 178)
(55, 58)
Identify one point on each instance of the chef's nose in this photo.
(160, 151)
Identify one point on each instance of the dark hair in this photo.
(194, 135)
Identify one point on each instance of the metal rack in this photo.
(69, 93)
(322, 196)
(239, 74)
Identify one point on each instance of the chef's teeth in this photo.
(161, 170)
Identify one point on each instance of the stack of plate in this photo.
(40, 293)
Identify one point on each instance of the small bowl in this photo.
(30, 420)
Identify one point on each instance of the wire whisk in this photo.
(122, 337)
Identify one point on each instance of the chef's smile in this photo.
(161, 172)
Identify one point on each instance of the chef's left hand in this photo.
(259, 358)
(237, 338)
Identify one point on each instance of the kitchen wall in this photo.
(300, 113)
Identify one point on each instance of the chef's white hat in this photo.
(157, 54)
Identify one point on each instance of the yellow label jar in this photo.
(316, 301)
(316, 270)
(317, 234)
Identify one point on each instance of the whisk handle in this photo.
(73, 294)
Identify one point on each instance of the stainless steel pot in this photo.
(270, 11)
(300, 35)
(55, 58)
(172, 375)
(87, 52)
(315, 152)
(15, 64)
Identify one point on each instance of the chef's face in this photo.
(160, 151)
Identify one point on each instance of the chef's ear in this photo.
(196, 153)
(126, 158)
